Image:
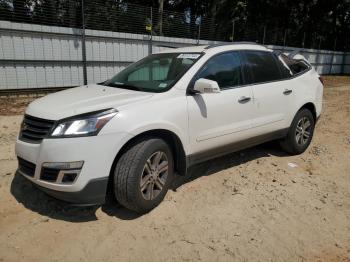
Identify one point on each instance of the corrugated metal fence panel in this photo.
(36, 56)
(346, 67)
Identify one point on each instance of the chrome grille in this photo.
(34, 129)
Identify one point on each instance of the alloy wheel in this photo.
(154, 175)
(303, 131)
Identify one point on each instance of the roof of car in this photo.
(216, 48)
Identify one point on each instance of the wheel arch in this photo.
(172, 139)
(310, 106)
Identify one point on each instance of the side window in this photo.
(296, 66)
(224, 68)
(262, 66)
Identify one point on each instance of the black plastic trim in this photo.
(94, 193)
(43, 126)
(234, 147)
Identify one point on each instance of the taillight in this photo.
(321, 79)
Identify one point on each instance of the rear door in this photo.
(271, 92)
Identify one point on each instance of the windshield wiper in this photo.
(122, 85)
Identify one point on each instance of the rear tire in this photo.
(143, 174)
(300, 133)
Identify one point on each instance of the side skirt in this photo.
(234, 147)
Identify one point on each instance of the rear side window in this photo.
(296, 66)
(261, 66)
(224, 68)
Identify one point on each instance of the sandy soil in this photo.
(248, 206)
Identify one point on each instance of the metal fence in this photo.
(64, 43)
(38, 56)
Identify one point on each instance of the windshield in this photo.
(155, 73)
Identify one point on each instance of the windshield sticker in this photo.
(162, 85)
(188, 56)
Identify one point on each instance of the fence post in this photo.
(233, 30)
(318, 55)
(285, 37)
(343, 60)
(263, 41)
(150, 43)
(303, 43)
(199, 31)
(334, 47)
(83, 45)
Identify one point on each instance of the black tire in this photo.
(291, 143)
(130, 169)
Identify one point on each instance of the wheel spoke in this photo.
(144, 182)
(306, 134)
(159, 183)
(150, 191)
(157, 159)
(304, 140)
(298, 138)
(148, 167)
(298, 129)
(306, 124)
(163, 166)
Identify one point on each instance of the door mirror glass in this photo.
(203, 86)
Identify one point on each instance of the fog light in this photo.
(61, 172)
(69, 178)
(64, 165)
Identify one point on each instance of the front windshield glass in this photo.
(155, 73)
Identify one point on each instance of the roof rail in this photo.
(167, 46)
(233, 43)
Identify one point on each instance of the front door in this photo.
(220, 119)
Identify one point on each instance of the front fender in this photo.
(167, 126)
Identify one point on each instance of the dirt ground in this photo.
(255, 205)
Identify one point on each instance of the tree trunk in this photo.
(20, 10)
(160, 21)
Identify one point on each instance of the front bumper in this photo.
(94, 193)
(97, 153)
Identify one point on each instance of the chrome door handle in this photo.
(244, 99)
(287, 91)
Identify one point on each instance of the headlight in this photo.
(83, 125)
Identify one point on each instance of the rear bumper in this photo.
(93, 193)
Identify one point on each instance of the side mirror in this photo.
(203, 86)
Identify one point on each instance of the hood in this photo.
(81, 100)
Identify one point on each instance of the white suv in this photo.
(163, 114)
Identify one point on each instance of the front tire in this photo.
(300, 133)
(143, 174)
